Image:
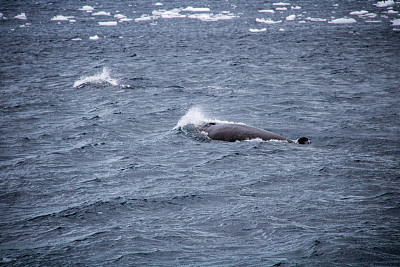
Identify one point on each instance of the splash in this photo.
(195, 116)
(103, 77)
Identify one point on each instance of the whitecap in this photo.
(268, 21)
(343, 21)
(119, 16)
(61, 18)
(359, 13)
(212, 17)
(87, 8)
(296, 7)
(196, 9)
(291, 17)
(316, 19)
(103, 77)
(266, 11)
(169, 14)
(144, 17)
(281, 8)
(21, 16)
(396, 22)
(108, 23)
(101, 13)
(385, 3)
(258, 30)
(281, 4)
(94, 38)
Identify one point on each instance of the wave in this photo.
(103, 77)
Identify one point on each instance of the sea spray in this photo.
(103, 77)
(194, 116)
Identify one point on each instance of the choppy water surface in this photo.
(101, 163)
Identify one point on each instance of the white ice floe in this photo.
(385, 3)
(268, 21)
(267, 11)
(108, 23)
(258, 30)
(343, 21)
(396, 22)
(392, 11)
(291, 17)
(281, 4)
(101, 13)
(103, 77)
(87, 8)
(196, 9)
(94, 38)
(281, 8)
(62, 18)
(21, 16)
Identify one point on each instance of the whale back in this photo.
(238, 132)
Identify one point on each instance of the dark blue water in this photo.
(100, 162)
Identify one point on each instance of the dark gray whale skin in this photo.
(232, 132)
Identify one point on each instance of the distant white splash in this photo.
(103, 77)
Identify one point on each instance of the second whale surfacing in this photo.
(232, 132)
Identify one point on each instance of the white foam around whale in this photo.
(103, 77)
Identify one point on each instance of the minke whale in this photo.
(232, 132)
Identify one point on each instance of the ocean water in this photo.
(101, 162)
